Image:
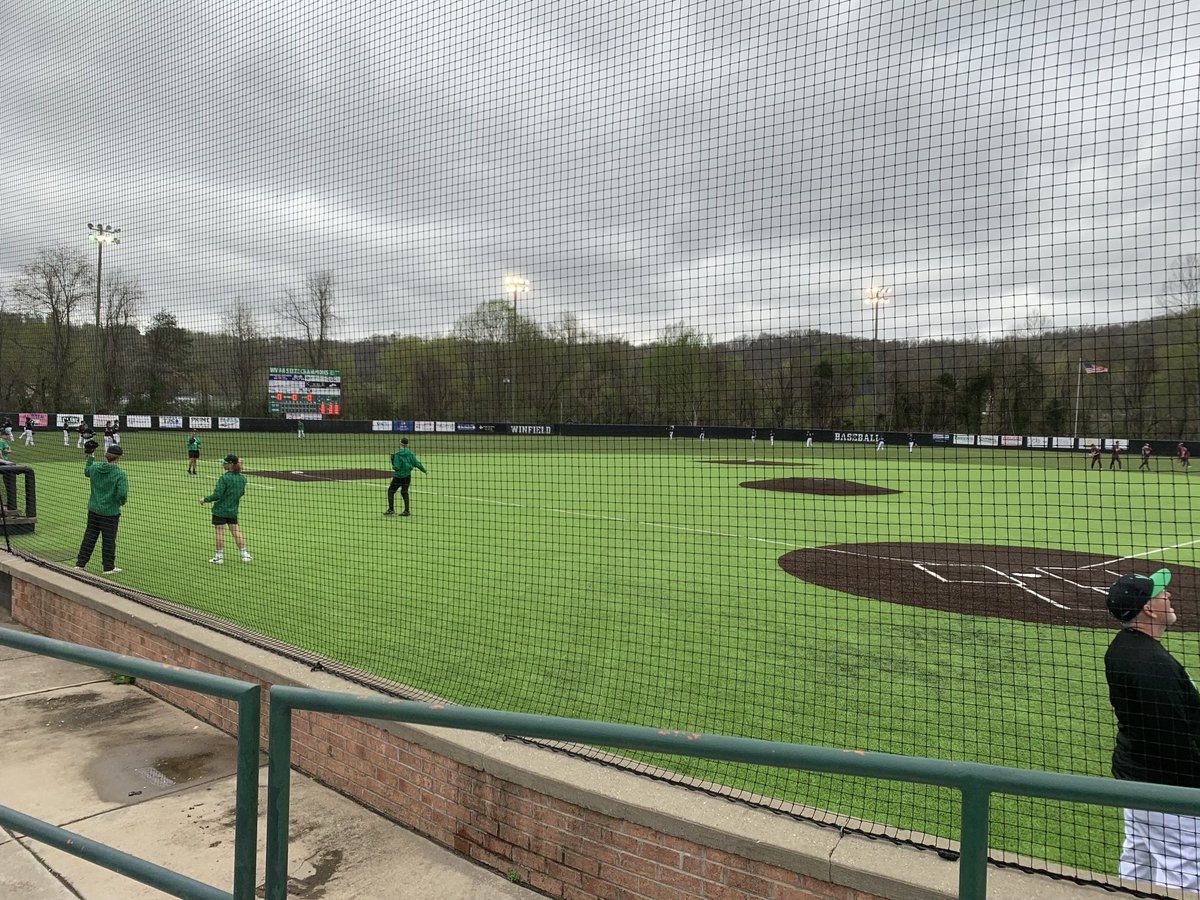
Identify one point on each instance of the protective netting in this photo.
(755, 354)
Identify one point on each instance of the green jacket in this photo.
(227, 494)
(403, 462)
(110, 487)
(193, 443)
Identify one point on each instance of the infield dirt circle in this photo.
(1026, 584)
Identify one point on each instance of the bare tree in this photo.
(121, 303)
(311, 310)
(52, 287)
(1181, 297)
(244, 376)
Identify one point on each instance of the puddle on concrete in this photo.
(182, 769)
(324, 864)
(84, 709)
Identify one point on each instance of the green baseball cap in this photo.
(1130, 593)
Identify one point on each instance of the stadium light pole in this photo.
(101, 234)
(514, 285)
(875, 297)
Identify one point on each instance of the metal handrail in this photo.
(976, 781)
(248, 698)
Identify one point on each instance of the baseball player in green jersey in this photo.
(109, 491)
(403, 463)
(193, 451)
(4, 448)
(226, 496)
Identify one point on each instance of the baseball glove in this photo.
(89, 446)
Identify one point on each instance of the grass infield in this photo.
(626, 580)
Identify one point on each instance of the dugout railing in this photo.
(247, 696)
(976, 782)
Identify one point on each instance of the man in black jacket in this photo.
(1158, 730)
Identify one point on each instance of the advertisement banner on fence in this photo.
(989, 440)
(1063, 443)
(444, 427)
(381, 424)
(170, 421)
(199, 423)
(1089, 443)
(1039, 443)
(405, 425)
(964, 440)
(533, 429)
(37, 420)
(942, 438)
(423, 426)
(1120, 443)
(105, 420)
(68, 420)
(137, 421)
(1010, 440)
(229, 422)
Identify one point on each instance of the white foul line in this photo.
(1086, 587)
(1024, 587)
(931, 572)
(1109, 562)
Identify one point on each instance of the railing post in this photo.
(245, 843)
(279, 754)
(973, 842)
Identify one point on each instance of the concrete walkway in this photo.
(119, 766)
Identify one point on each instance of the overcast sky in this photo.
(740, 167)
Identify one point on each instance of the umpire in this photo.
(403, 462)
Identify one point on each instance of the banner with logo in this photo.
(423, 426)
(37, 420)
(1010, 440)
(68, 420)
(199, 423)
(229, 422)
(137, 421)
(1039, 443)
(170, 421)
(381, 424)
(964, 440)
(989, 440)
(105, 420)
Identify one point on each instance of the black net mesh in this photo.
(755, 357)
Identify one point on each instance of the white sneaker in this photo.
(112, 571)
(246, 557)
(217, 559)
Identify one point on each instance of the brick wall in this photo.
(560, 847)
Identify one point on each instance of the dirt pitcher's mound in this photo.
(324, 474)
(1028, 584)
(753, 462)
(832, 486)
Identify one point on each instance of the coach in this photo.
(1158, 730)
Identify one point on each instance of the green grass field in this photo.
(630, 580)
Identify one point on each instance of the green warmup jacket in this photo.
(226, 495)
(403, 462)
(110, 487)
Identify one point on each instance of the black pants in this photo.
(97, 526)
(402, 484)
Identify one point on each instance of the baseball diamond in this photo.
(1027, 584)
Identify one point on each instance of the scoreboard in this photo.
(306, 391)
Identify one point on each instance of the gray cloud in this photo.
(740, 167)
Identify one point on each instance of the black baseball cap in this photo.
(231, 459)
(404, 440)
(1130, 593)
(114, 450)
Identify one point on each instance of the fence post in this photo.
(973, 842)
(279, 749)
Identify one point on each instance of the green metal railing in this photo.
(975, 781)
(247, 696)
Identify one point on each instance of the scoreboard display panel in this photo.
(310, 391)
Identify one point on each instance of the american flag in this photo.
(1093, 369)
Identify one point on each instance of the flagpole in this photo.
(1078, 395)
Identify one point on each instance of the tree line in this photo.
(57, 354)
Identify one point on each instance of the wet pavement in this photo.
(117, 765)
